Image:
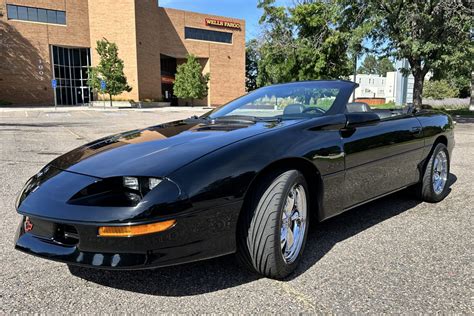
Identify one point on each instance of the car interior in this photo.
(361, 107)
(353, 107)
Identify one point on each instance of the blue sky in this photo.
(242, 9)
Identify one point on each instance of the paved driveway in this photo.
(394, 255)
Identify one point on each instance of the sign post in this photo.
(103, 86)
(54, 84)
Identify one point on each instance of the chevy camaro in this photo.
(245, 178)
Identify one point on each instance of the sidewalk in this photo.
(106, 108)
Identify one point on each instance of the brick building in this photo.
(41, 40)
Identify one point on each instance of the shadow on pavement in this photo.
(224, 272)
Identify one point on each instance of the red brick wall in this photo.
(373, 101)
(25, 62)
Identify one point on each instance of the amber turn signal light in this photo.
(135, 230)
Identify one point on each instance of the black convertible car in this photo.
(247, 177)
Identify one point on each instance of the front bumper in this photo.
(206, 234)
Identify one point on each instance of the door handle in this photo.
(416, 130)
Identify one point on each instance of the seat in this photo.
(358, 107)
(292, 109)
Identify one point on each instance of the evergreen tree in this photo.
(369, 65)
(251, 65)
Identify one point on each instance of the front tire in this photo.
(434, 185)
(273, 231)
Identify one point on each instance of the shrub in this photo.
(440, 89)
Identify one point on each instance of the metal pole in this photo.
(55, 100)
(355, 76)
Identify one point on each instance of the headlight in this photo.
(131, 183)
(116, 191)
(140, 184)
(153, 182)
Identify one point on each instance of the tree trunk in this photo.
(418, 89)
(110, 98)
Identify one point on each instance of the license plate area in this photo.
(42, 228)
(63, 233)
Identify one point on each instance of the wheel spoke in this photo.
(295, 216)
(440, 172)
(290, 203)
(289, 238)
(293, 223)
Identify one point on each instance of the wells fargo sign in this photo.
(221, 23)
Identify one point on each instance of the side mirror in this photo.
(360, 118)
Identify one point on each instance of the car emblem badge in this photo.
(28, 225)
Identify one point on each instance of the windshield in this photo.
(288, 101)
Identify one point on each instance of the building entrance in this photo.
(70, 71)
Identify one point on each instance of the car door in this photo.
(381, 157)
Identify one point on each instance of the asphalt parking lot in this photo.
(395, 255)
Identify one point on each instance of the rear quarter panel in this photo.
(435, 125)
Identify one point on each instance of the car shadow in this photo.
(224, 272)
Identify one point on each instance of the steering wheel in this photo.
(314, 109)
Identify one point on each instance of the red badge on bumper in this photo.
(28, 225)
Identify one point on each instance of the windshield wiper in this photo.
(269, 119)
(197, 118)
(246, 118)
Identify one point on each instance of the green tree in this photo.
(426, 33)
(251, 64)
(457, 70)
(301, 43)
(369, 65)
(189, 82)
(109, 69)
(376, 66)
(384, 65)
(440, 89)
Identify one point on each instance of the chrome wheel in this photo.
(440, 172)
(293, 223)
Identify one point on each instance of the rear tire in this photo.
(434, 185)
(273, 230)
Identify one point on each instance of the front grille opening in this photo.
(67, 234)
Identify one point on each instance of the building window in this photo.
(16, 12)
(12, 12)
(207, 35)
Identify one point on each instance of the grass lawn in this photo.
(386, 106)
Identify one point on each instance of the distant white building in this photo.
(370, 86)
(394, 87)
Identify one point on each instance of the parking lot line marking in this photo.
(88, 114)
(72, 133)
(26, 113)
(305, 300)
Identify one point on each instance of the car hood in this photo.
(157, 150)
